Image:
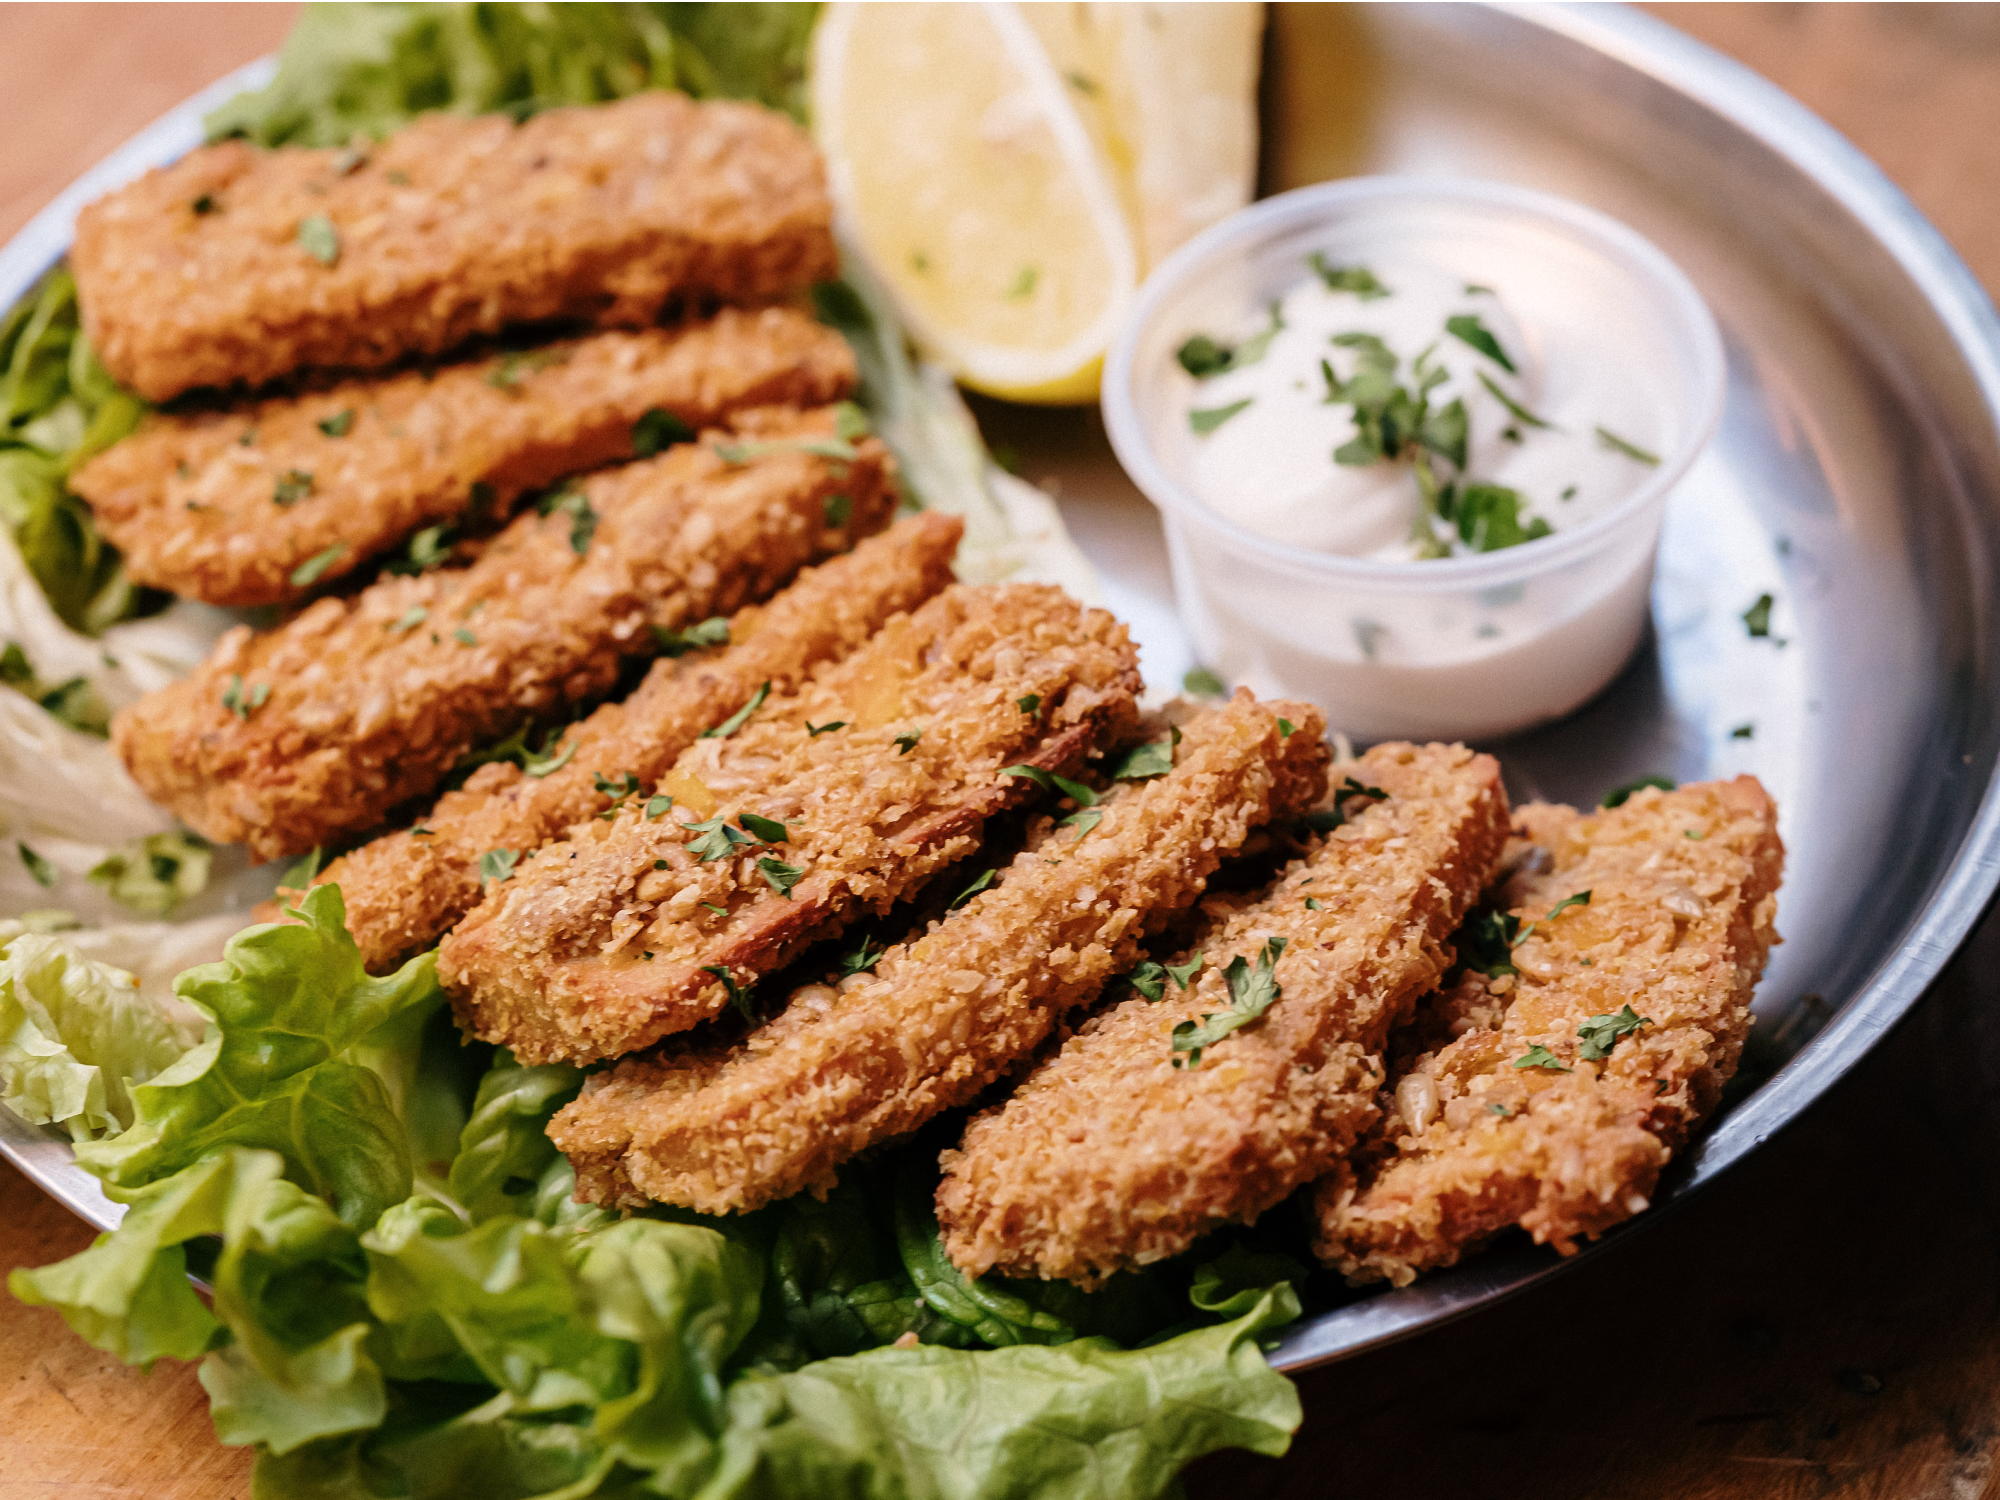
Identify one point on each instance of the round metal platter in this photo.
(1856, 479)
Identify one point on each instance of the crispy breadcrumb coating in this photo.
(301, 736)
(404, 890)
(1683, 891)
(943, 1015)
(1119, 1151)
(641, 925)
(228, 506)
(237, 264)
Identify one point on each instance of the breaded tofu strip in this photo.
(1683, 889)
(729, 1128)
(405, 889)
(264, 502)
(238, 264)
(882, 772)
(304, 735)
(1120, 1150)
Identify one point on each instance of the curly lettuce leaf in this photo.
(305, 1054)
(75, 1035)
(350, 70)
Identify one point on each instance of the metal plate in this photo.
(1856, 478)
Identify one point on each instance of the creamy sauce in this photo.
(1269, 465)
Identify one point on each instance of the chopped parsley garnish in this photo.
(205, 205)
(497, 864)
(1203, 421)
(814, 731)
(410, 618)
(243, 704)
(574, 504)
(1618, 795)
(1252, 991)
(838, 449)
(425, 551)
(1606, 438)
(1469, 330)
(718, 840)
(780, 876)
(1486, 943)
(513, 370)
(1743, 732)
(421, 832)
(1313, 905)
(658, 431)
(862, 960)
(1025, 280)
(1030, 703)
(1286, 729)
(1088, 815)
(293, 486)
(338, 425)
(1581, 898)
(1757, 618)
(1356, 279)
(658, 806)
(770, 830)
(1519, 412)
(1601, 1033)
(464, 637)
(249, 438)
(850, 422)
(1150, 979)
(319, 239)
(300, 875)
(1083, 83)
(1202, 356)
(741, 717)
(1203, 683)
(837, 510)
(618, 787)
(739, 995)
(1333, 817)
(309, 572)
(1143, 762)
(985, 880)
(714, 631)
(536, 763)
(1539, 1056)
(907, 741)
(43, 872)
(1488, 517)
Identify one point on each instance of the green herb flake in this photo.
(741, 717)
(1203, 421)
(1619, 795)
(464, 637)
(511, 371)
(1024, 283)
(43, 872)
(780, 876)
(314, 568)
(1470, 331)
(1519, 412)
(1048, 781)
(1539, 1056)
(907, 741)
(1358, 280)
(617, 788)
(1330, 818)
(319, 239)
(657, 431)
(497, 864)
(338, 425)
(410, 619)
(1581, 898)
(242, 703)
(205, 205)
(739, 995)
(770, 830)
(1286, 729)
(713, 631)
(1150, 980)
(1743, 732)
(862, 960)
(1143, 762)
(1183, 974)
(574, 504)
(1313, 905)
(1757, 618)
(1030, 703)
(293, 486)
(426, 550)
(850, 422)
(1252, 991)
(1606, 438)
(718, 840)
(658, 807)
(985, 880)
(1201, 682)
(837, 510)
(814, 731)
(1489, 518)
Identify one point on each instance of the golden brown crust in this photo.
(1683, 891)
(404, 891)
(726, 1129)
(190, 502)
(611, 940)
(357, 705)
(1116, 1152)
(450, 228)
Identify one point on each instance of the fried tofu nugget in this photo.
(1131, 1143)
(837, 801)
(264, 502)
(943, 1015)
(404, 890)
(301, 736)
(238, 264)
(1574, 1081)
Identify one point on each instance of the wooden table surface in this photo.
(1824, 1322)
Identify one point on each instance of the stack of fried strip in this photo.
(840, 799)
(952, 1009)
(303, 735)
(404, 890)
(1121, 1151)
(1487, 1132)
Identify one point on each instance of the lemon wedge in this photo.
(961, 169)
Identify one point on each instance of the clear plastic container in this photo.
(1454, 648)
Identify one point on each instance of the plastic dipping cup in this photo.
(1453, 648)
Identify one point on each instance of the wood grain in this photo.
(1823, 1323)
